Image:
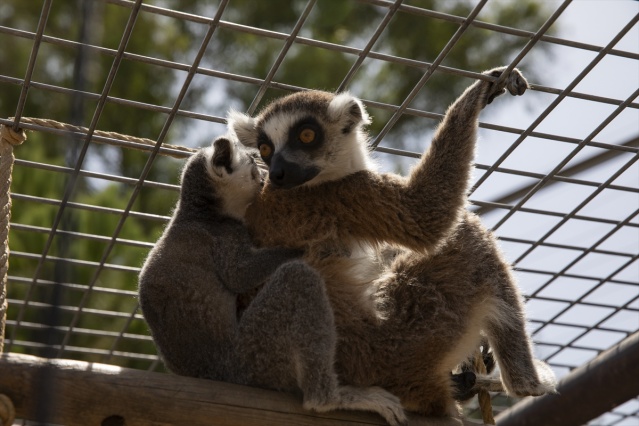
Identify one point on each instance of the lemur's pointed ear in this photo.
(222, 154)
(243, 126)
(349, 111)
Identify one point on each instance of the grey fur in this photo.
(190, 282)
(434, 297)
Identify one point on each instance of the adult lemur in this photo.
(189, 285)
(447, 285)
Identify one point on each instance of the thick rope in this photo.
(8, 139)
(112, 138)
(7, 411)
(483, 396)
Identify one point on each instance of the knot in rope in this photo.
(11, 136)
(7, 411)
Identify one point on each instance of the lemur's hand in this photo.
(515, 82)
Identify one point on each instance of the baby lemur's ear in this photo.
(222, 155)
(242, 126)
(349, 111)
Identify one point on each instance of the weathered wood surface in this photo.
(84, 394)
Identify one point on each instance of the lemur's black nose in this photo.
(288, 174)
(277, 173)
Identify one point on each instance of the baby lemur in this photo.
(189, 284)
(404, 320)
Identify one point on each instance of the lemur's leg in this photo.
(288, 333)
(521, 374)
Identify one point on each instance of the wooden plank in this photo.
(81, 393)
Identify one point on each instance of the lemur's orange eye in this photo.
(307, 135)
(265, 150)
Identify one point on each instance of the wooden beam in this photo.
(82, 393)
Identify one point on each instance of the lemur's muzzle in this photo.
(287, 174)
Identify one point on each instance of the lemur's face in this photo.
(293, 146)
(307, 138)
(235, 173)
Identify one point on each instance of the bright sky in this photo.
(593, 22)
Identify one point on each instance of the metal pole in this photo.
(589, 391)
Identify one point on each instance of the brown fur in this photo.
(448, 283)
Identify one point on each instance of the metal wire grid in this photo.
(126, 312)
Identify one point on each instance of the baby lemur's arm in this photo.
(416, 212)
(243, 267)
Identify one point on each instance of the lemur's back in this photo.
(191, 279)
(191, 314)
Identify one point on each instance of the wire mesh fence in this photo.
(555, 179)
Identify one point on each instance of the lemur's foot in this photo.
(532, 389)
(372, 398)
(544, 382)
(464, 385)
(515, 83)
(381, 401)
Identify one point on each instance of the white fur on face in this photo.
(240, 187)
(278, 126)
(349, 154)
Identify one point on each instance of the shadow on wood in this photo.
(81, 393)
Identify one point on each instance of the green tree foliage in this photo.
(352, 23)
(101, 25)
(75, 76)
